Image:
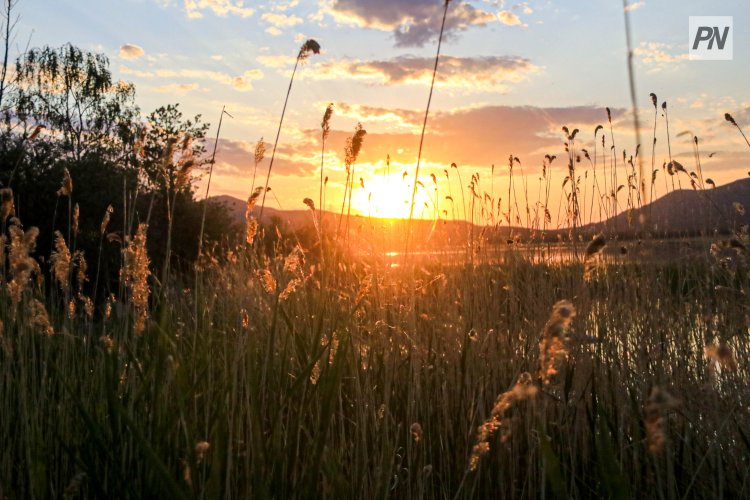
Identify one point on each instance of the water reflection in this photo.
(658, 251)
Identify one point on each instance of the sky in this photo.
(510, 76)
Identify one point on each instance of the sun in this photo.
(390, 196)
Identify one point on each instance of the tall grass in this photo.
(376, 386)
(293, 372)
(306, 50)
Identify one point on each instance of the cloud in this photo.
(659, 55)
(126, 70)
(243, 82)
(284, 5)
(176, 88)
(412, 22)
(237, 158)
(275, 61)
(131, 52)
(485, 135)
(281, 20)
(273, 31)
(508, 18)
(476, 137)
(523, 7)
(399, 119)
(467, 74)
(195, 8)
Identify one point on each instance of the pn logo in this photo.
(710, 38)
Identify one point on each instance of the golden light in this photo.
(390, 197)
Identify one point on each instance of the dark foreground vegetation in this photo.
(278, 378)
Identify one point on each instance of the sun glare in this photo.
(390, 197)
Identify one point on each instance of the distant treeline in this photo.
(73, 142)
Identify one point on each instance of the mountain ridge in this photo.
(680, 212)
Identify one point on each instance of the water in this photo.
(656, 250)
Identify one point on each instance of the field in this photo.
(347, 378)
(577, 329)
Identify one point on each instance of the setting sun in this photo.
(389, 196)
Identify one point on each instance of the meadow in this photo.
(534, 358)
(320, 374)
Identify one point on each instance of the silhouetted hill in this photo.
(237, 207)
(364, 231)
(687, 212)
(679, 213)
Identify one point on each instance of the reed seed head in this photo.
(134, 274)
(308, 48)
(416, 432)
(6, 203)
(66, 188)
(38, 318)
(325, 125)
(61, 262)
(105, 220)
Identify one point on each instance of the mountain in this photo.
(679, 213)
(237, 208)
(688, 212)
(364, 231)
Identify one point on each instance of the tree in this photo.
(143, 168)
(172, 147)
(8, 26)
(72, 93)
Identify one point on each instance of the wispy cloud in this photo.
(243, 82)
(282, 5)
(176, 88)
(399, 119)
(464, 74)
(275, 61)
(477, 136)
(195, 8)
(281, 20)
(659, 55)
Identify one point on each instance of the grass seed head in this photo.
(134, 274)
(553, 348)
(6, 203)
(61, 260)
(201, 448)
(523, 389)
(658, 405)
(308, 48)
(325, 125)
(38, 318)
(416, 432)
(66, 187)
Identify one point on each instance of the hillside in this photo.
(682, 212)
(688, 211)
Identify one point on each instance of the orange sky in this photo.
(511, 75)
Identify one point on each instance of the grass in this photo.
(321, 372)
(316, 391)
